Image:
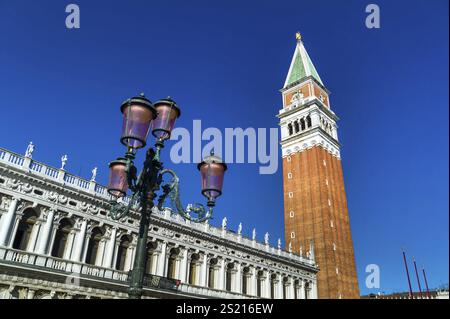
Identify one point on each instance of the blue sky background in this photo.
(224, 62)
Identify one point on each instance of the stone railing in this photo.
(74, 269)
(212, 293)
(60, 176)
(71, 268)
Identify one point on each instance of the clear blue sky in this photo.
(223, 62)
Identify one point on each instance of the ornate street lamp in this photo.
(139, 115)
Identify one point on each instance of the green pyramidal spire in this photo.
(301, 65)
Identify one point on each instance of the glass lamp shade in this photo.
(138, 113)
(118, 182)
(168, 112)
(212, 170)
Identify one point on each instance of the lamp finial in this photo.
(298, 36)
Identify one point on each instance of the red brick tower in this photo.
(315, 203)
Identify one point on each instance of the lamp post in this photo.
(139, 116)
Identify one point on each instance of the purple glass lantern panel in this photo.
(118, 184)
(212, 179)
(164, 122)
(136, 125)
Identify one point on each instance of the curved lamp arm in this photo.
(119, 210)
(172, 190)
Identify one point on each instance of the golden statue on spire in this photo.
(298, 36)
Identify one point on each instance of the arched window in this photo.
(150, 267)
(303, 124)
(308, 121)
(193, 268)
(122, 252)
(296, 127)
(61, 237)
(24, 229)
(290, 129)
(94, 245)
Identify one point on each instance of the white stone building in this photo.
(57, 241)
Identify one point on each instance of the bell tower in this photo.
(315, 204)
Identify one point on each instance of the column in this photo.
(253, 283)
(301, 288)
(267, 284)
(31, 245)
(85, 247)
(221, 281)
(6, 222)
(177, 267)
(280, 287)
(52, 237)
(111, 244)
(30, 293)
(45, 234)
(16, 222)
(79, 241)
(205, 271)
(238, 278)
(161, 259)
(184, 264)
(129, 257)
(69, 245)
(100, 252)
(154, 263)
(198, 273)
(292, 289)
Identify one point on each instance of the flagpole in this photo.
(407, 275)
(417, 276)
(426, 283)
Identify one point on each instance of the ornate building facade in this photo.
(57, 241)
(314, 194)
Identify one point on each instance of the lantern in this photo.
(118, 181)
(168, 112)
(138, 113)
(212, 170)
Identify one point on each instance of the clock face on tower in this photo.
(316, 214)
